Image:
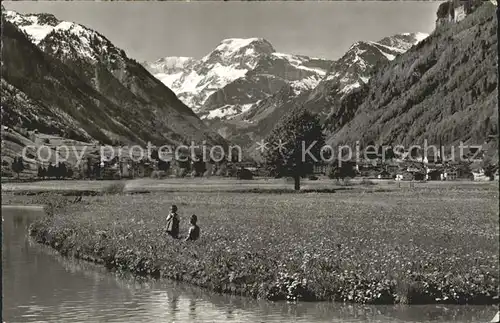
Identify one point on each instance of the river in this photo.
(41, 286)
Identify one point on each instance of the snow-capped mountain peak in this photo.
(238, 73)
(229, 48)
(36, 26)
(236, 44)
(244, 60)
(72, 38)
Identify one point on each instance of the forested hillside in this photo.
(442, 90)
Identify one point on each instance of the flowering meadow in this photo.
(412, 246)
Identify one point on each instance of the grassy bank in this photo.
(429, 245)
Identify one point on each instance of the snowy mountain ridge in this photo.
(233, 59)
(229, 80)
(40, 27)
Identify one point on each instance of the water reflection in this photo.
(40, 285)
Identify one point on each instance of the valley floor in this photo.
(230, 185)
(434, 243)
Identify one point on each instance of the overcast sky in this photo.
(150, 30)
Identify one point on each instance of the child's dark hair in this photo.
(194, 219)
(174, 207)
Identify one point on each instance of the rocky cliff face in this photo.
(453, 11)
(78, 78)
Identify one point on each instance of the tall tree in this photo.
(41, 172)
(198, 166)
(294, 145)
(163, 164)
(57, 167)
(62, 171)
(50, 171)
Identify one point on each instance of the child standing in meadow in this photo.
(194, 230)
(173, 222)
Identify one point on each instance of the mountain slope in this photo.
(41, 92)
(116, 97)
(442, 90)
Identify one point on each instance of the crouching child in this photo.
(194, 230)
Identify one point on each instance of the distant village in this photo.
(407, 169)
(471, 166)
(430, 167)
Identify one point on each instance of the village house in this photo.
(410, 170)
(433, 169)
(320, 169)
(376, 167)
(449, 175)
(433, 174)
(405, 176)
(415, 168)
(384, 175)
(456, 170)
(479, 175)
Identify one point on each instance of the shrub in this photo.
(222, 170)
(76, 174)
(181, 172)
(244, 174)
